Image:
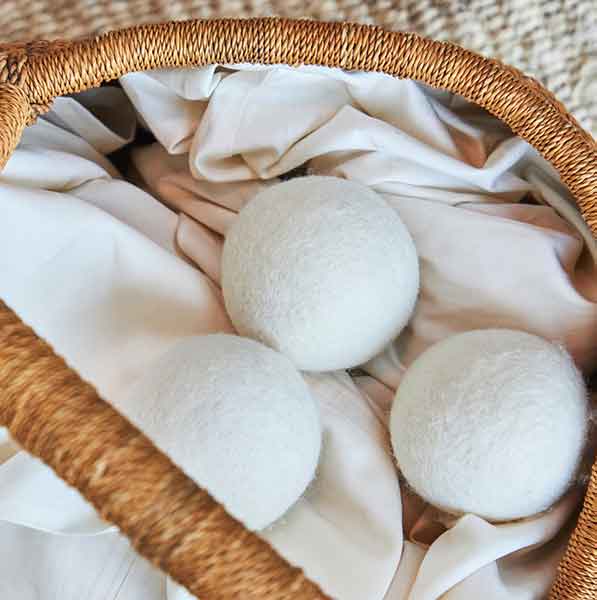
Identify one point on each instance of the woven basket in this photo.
(61, 419)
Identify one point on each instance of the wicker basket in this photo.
(58, 417)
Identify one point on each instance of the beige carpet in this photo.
(553, 40)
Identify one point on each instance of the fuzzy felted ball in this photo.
(237, 417)
(321, 269)
(491, 422)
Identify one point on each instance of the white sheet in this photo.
(112, 277)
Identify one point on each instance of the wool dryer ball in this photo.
(235, 416)
(491, 422)
(321, 269)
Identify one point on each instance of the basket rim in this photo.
(44, 70)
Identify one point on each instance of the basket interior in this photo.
(194, 188)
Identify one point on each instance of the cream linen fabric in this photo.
(112, 277)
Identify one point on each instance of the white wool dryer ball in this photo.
(491, 422)
(235, 416)
(321, 269)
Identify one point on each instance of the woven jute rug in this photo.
(553, 40)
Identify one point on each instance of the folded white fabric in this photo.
(112, 278)
(386, 133)
(35, 564)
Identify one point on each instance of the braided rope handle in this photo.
(53, 414)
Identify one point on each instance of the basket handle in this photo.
(56, 416)
(59, 418)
